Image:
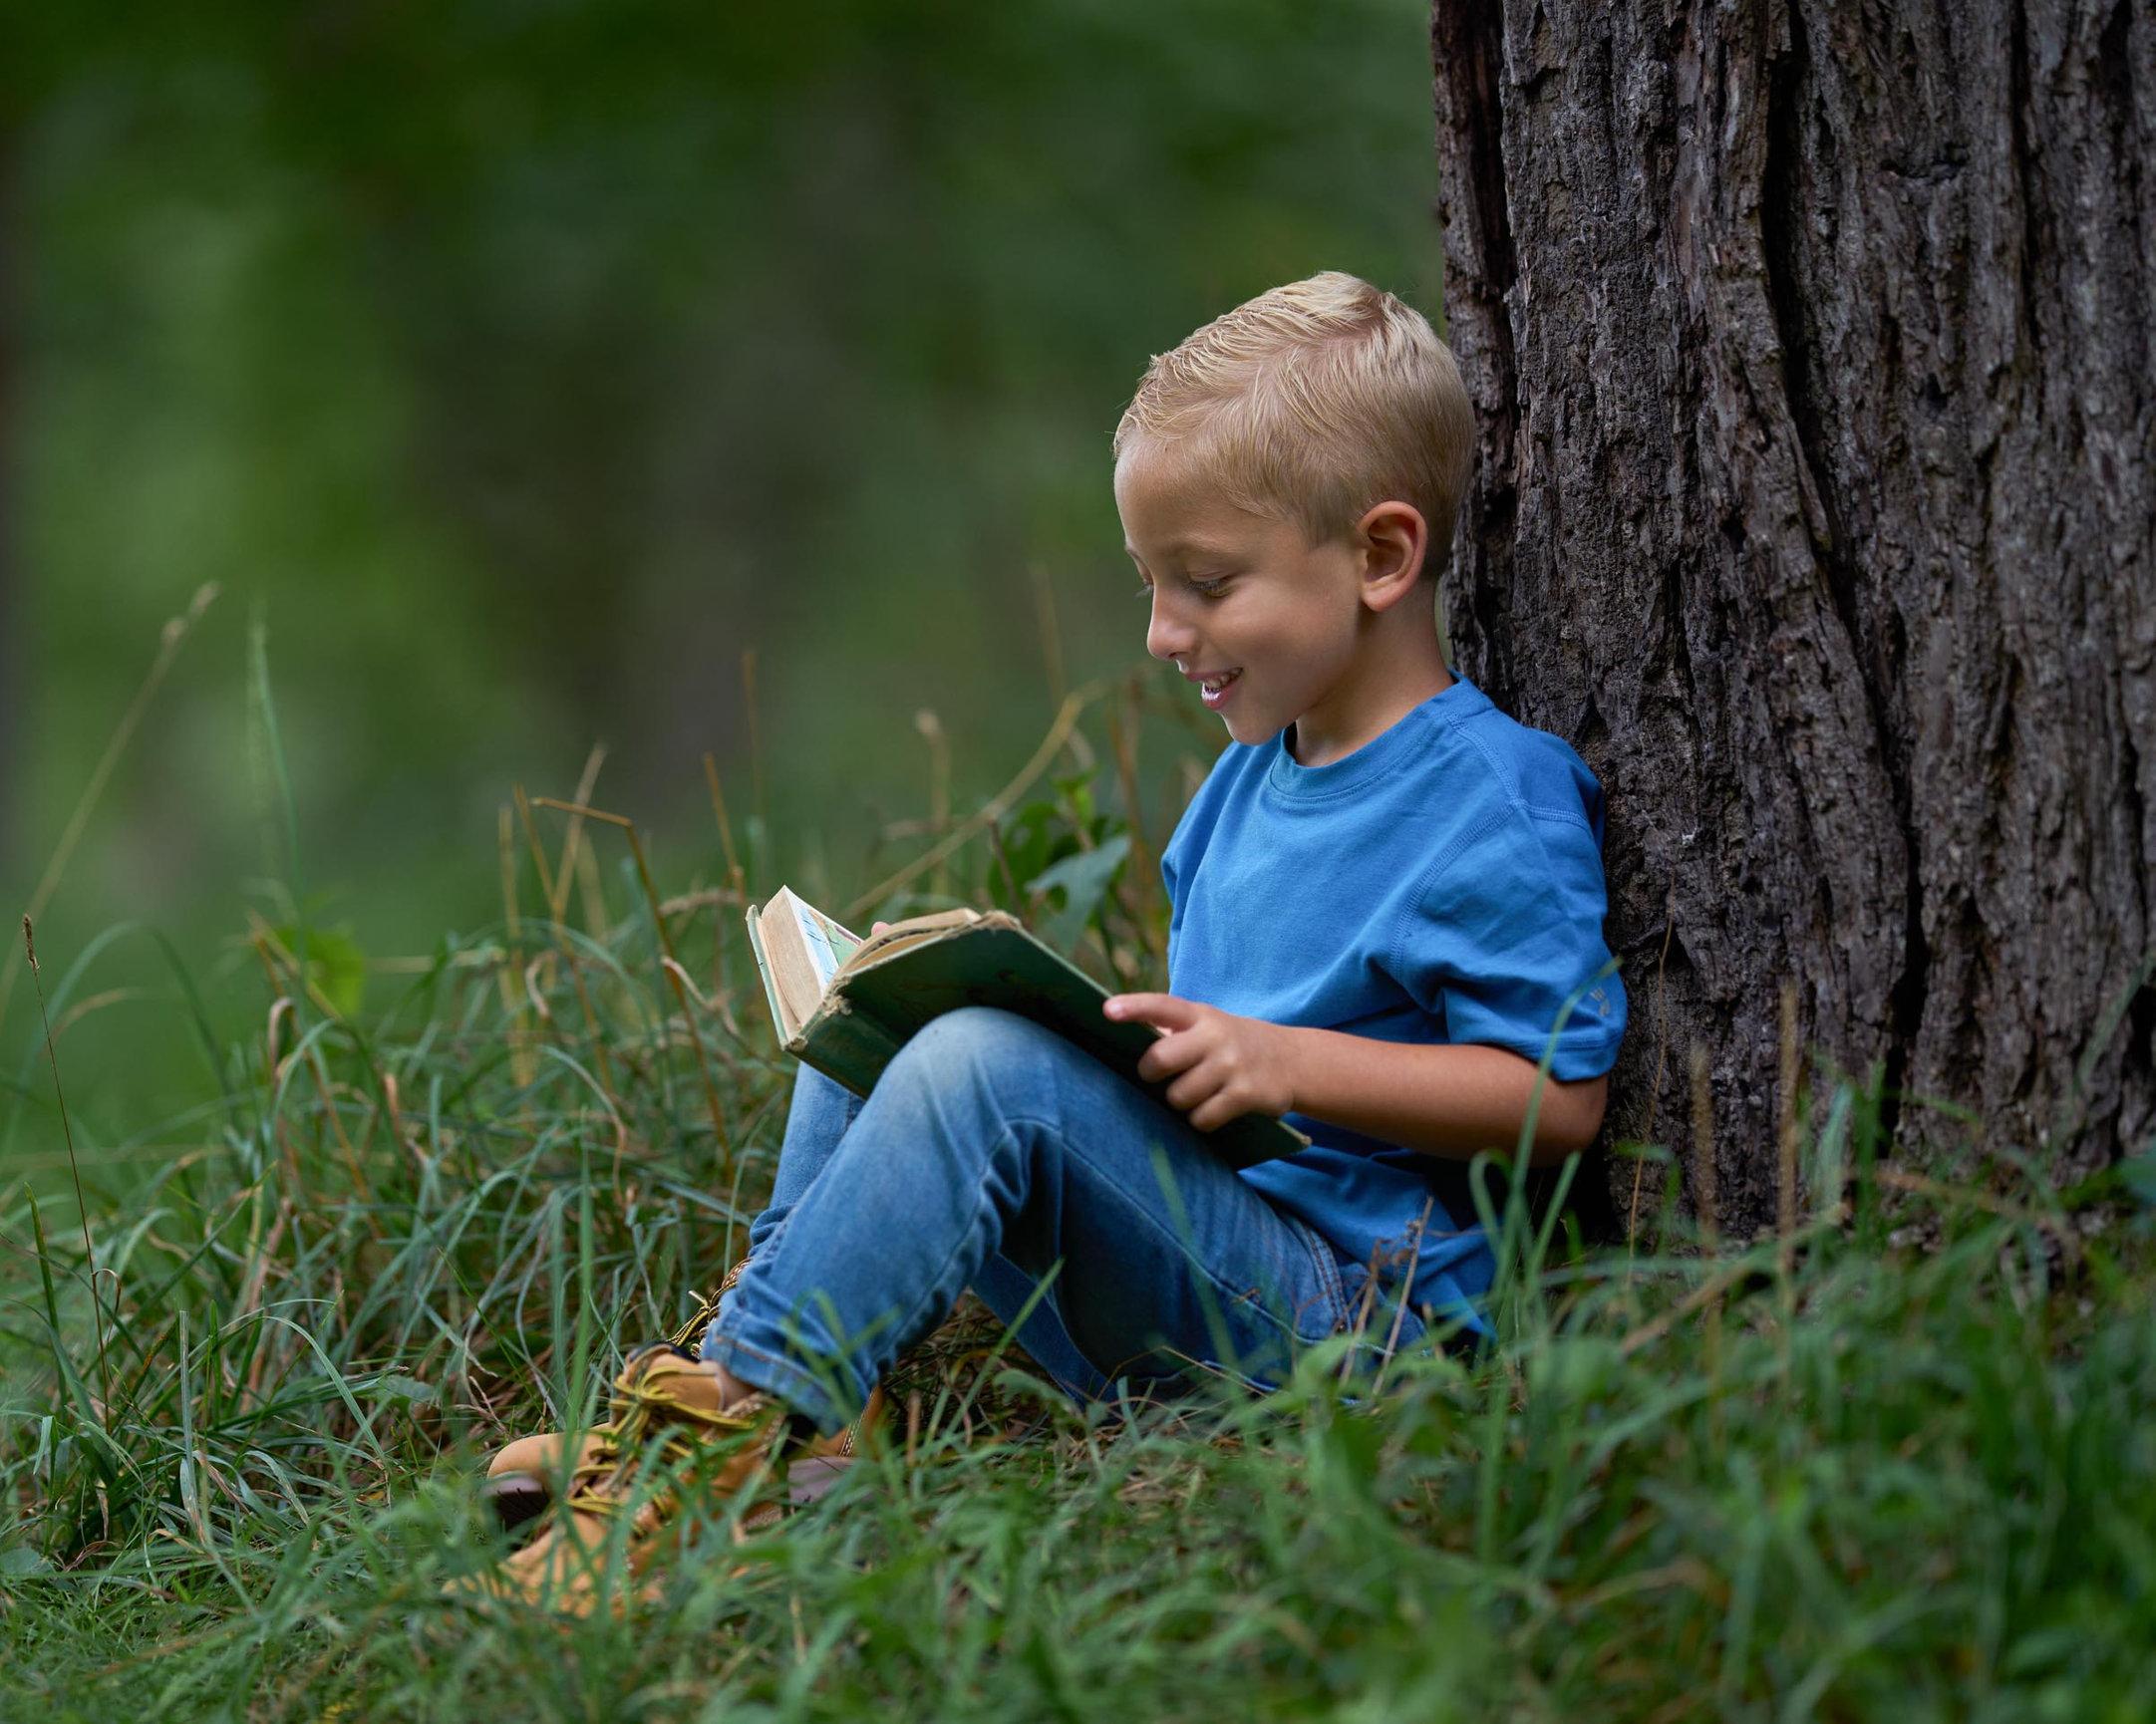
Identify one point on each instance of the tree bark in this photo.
(1813, 349)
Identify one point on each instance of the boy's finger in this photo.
(1190, 1093)
(1164, 1009)
(1167, 1056)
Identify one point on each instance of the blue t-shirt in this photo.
(1442, 883)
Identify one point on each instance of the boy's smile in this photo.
(1275, 631)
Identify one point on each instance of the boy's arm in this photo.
(1443, 1100)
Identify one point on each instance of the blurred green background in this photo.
(515, 367)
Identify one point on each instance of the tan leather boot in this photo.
(667, 1411)
(522, 1477)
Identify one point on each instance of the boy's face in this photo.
(1239, 595)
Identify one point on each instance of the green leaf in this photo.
(335, 964)
(1084, 879)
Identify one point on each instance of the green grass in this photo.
(1901, 1466)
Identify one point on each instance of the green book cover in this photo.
(897, 982)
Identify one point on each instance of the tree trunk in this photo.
(1812, 348)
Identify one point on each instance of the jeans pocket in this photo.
(1321, 1304)
(1383, 1315)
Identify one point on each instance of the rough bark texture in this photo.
(1813, 351)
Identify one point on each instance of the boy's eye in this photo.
(1204, 589)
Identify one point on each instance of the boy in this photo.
(1381, 899)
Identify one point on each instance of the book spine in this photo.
(847, 1046)
(764, 973)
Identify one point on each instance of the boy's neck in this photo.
(1399, 669)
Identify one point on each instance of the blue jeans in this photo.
(995, 1155)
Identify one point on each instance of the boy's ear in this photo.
(1394, 540)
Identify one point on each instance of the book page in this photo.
(828, 943)
(897, 936)
(780, 1018)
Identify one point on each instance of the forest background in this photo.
(518, 371)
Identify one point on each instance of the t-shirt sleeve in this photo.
(1506, 931)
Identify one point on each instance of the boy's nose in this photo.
(1165, 638)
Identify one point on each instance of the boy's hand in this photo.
(1229, 1066)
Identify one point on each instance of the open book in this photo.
(847, 1005)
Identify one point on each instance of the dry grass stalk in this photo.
(174, 634)
(996, 806)
(1704, 1198)
(675, 976)
(1786, 1132)
(939, 791)
(538, 850)
(82, 1208)
(756, 739)
(558, 902)
(561, 940)
(524, 1062)
(325, 1090)
(597, 923)
(736, 875)
(1144, 877)
(1662, 1056)
(1703, 1194)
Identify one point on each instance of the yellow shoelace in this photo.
(594, 1487)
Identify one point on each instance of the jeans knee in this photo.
(972, 1040)
(968, 1089)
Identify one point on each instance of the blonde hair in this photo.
(1314, 402)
